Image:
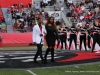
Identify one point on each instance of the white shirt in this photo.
(45, 1)
(83, 8)
(81, 17)
(62, 8)
(80, 23)
(36, 34)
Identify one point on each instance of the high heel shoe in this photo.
(35, 61)
(43, 61)
(52, 60)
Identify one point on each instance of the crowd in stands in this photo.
(85, 12)
(24, 21)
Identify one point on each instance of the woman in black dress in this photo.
(51, 37)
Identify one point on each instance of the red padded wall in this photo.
(6, 3)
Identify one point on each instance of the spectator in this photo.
(49, 2)
(30, 6)
(90, 5)
(97, 9)
(42, 4)
(9, 9)
(58, 22)
(56, 7)
(69, 15)
(37, 7)
(9, 18)
(15, 26)
(45, 2)
(23, 14)
(3, 27)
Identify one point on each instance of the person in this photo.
(83, 36)
(73, 36)
(90, 35)
(58, 23)
(3, 27)
(30, 6)
(9, 18)
(96, 34)
(51, 37)
(39, 32)
(62, 32)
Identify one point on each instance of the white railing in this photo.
(65, 19)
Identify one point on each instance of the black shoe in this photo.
(43, 62)
(52, 60)
(89, 46)
(35, 61)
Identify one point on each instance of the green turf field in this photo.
(92, 69)
(20, 48)
(72, 70)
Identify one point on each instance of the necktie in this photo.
(41, 29)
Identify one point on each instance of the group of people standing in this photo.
(81, 33)
(53, 33)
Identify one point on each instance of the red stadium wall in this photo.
(6, 3)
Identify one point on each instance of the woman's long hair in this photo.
(53, 23)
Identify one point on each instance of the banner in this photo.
(55, 14)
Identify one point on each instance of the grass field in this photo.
(86, 69)
(92, 69)
(71, 70)
(20, 48)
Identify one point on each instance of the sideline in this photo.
(31, 72)
(20, 48)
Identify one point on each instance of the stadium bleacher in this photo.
(74, 19)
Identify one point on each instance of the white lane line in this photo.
(27, 57)
(18, 53)
(31, 72)
(29, 60)
(14, 55)
(1, 56)
(2, 61)
(4, 58)
(77, 66)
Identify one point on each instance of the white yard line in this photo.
(31, 72)
(77, 66)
